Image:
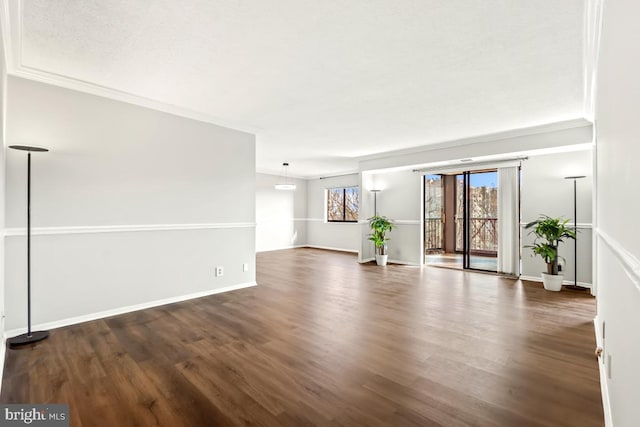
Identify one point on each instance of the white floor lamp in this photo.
(30, 336)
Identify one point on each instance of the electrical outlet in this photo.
(245, 267)
(219, 271)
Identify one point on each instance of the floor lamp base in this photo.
(575, 288)
(27, 339)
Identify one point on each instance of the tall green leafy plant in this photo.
(380, 226)
(549, 232)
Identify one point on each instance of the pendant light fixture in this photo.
(284, 179)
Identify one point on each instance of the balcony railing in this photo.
(433, 228)
(484, 234)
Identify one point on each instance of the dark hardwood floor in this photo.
(325, 341)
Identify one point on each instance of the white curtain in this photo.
(508, 221)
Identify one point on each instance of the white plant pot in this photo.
(381, 259)
(552, 282)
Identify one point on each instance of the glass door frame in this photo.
(464, 227)
(466, 222)
(440, 217)
(466, 217)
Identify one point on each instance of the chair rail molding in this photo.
(9, 232)
(580, 225)
(630, 264)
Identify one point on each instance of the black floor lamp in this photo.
(575, 229)
(30, 336)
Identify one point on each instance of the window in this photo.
(342, 204)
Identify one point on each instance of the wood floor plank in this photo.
(326, 341)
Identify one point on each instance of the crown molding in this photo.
(11, 20)
(310, 177)
(278, 174)
(334, 175)
(5, 22)
(479, 139)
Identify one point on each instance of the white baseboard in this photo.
(328, 248)
(564, 282)
(395, 261)
(389, 261)
(282, 248)
(604, 388)
(127, 309)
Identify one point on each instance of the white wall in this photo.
(545, 191)
(399, 200)
(281, 216)
(113, 164)
(617, 204)
(288, 219)
(320, 233)
(3, 82)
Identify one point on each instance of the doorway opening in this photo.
(461, 220)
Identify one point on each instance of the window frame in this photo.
(344, 204)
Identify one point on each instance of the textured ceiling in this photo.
(324, 82)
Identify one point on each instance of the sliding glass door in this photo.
(479, 219)
(472, 220)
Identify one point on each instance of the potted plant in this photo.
(550, 232)
(380, 225)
